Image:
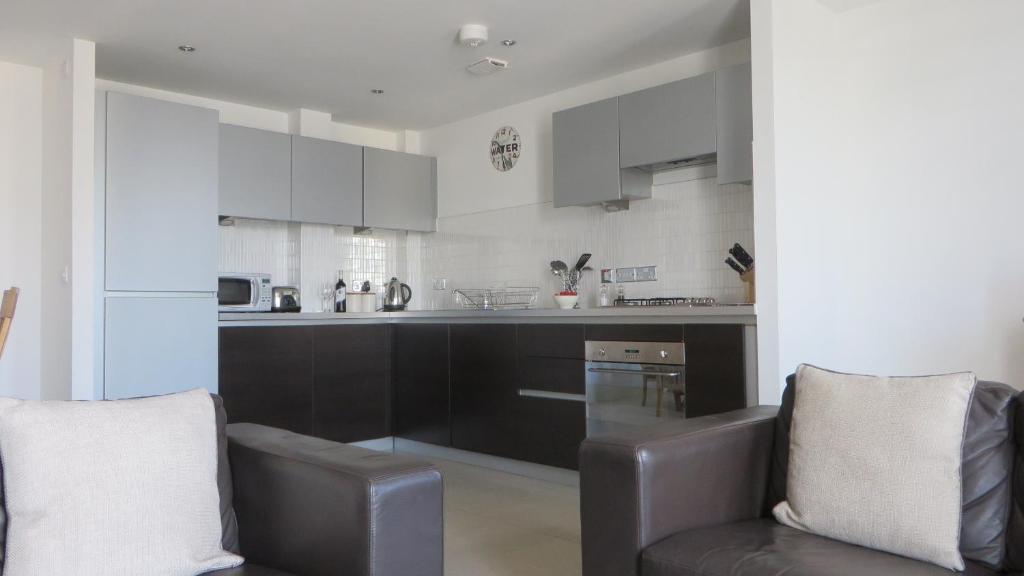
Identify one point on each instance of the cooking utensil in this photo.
(735, 266)
(741, 256)
(559, 267)
(582, 262)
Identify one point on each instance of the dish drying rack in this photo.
(496, 298)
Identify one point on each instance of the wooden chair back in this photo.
(7, 307)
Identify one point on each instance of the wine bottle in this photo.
(340, 304)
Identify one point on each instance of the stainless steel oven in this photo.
(244, 292)
(634, 385)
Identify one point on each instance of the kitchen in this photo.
(481, 361)
(464, 332)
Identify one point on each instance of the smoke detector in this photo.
(487, 66)
(473, 35)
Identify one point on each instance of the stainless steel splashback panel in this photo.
(636, 352)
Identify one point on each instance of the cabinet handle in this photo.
(529, 393)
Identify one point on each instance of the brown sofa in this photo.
(295, 505)
(695, 498)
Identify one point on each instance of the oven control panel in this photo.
(636, 352)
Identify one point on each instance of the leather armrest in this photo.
(319, 508)
(640, 488)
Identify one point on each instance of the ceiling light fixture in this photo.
(377, 91)
(509, 43)
(187, 48)
(473, 35)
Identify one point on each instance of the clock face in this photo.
(505, 148)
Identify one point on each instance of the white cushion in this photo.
(876, 461)
(126, 487)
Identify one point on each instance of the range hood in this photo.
(701, 160)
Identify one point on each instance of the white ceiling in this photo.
(327, 54)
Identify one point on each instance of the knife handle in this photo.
(732, 264)
(741, 256)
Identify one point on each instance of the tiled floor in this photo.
(499, 524)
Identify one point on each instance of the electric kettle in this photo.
(396, 295)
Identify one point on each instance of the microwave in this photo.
(244, 292)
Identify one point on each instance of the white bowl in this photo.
(566, 302)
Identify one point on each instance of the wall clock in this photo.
(505, 148)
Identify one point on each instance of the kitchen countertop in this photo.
(721, 314)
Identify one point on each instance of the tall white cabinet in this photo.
(160, 173)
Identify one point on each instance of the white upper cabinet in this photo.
(608, 150)
(255, 173)
(673, 121)
(586, 158)
(327, 182)
(161, 195)
(399, 190)
(735, 124)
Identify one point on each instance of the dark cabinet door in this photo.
(551, 430)
(551, 358)
(551, 340)
(266, 376)
(715, 373)
(484, 388)
(350, 382)
(635, 332)
(419, 373)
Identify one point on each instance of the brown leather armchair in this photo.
(295, 505)
(310, 507)
(695, 498)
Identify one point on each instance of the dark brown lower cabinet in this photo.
(453, 385)
(551, 430)
(266, 376)
(715, 369)
(327, 381)
(421, 383)
(550, 359)
(484, 409)
(350, 382)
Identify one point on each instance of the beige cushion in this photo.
(876, 461)
(126, 487)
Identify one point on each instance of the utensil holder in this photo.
(748, 279)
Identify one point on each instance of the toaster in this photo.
(285, 299)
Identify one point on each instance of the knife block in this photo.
(748, 279)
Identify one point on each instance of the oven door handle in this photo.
(634, 372)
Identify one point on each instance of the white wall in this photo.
(764, 202)
(21, 129)
(84, 315)
(897, 146)
(468, 183)
(65, 172)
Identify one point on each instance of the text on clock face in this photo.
(505, 148)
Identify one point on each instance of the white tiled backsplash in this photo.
(685, 230)
(309, 256)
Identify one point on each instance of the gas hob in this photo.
(683, 301)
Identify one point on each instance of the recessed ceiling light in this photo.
(377, 91)
(508, 42)
(187, 48)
